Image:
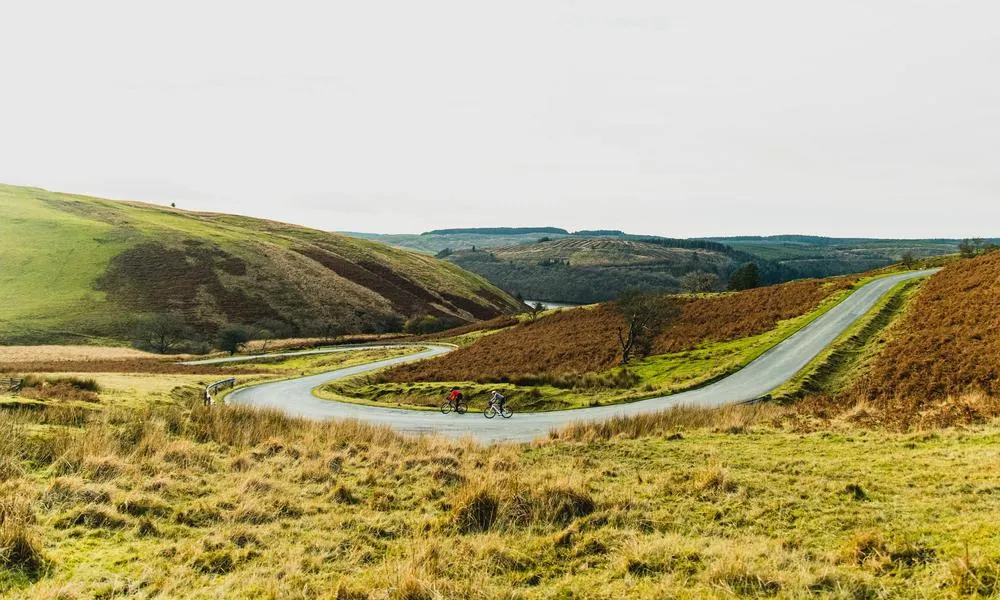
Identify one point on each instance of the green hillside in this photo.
(433, 242)
(73, 267)
(595, 265)
(585, 270)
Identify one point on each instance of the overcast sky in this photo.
(680, 118)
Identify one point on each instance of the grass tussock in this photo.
(584, 340)
(20, 543)
(503, 501)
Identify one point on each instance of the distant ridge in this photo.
(497, 231)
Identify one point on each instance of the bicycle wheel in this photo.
(446, 408)
(506, 413)
(490, 412)
(461, 408)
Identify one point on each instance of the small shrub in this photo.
(476, 511)
(865, 546)
(714, 480)
(344, 495)
(138, 505)
(346, 591)
(562, 503)
(146, 528)
(855, 491)
(69, 490)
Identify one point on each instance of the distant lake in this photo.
(550, 305)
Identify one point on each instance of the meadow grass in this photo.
(190, 502)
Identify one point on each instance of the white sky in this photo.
(681, 117)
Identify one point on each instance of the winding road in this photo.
(757, 379)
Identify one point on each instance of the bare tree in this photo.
(908, 259)
(260, 339)
(700, 282)
(161, 333)
(646, 315)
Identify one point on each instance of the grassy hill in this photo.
(806, 253)
(596, 269)
(75, 267)
(432, 242)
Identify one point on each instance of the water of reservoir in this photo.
(550, 305)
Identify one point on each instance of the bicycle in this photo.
(493, 410)
(456, 406)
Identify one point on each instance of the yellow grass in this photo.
(16, 354)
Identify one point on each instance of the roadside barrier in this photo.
(11, 385)
(215, 387)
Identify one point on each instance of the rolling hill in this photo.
(585, 270)
(554, 264)
(75, 267)
(432, 242)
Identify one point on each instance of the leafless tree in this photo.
(646, 315)
(161, 333)
(700, 282)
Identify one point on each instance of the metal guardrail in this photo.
(215, 387)
(11, 385)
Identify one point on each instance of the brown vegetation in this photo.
(937, 365)
(585, 340)
(948, 342)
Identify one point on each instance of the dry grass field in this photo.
(188, 502)
(49, 354)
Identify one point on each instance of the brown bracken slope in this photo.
(584, 340)
(948, 341)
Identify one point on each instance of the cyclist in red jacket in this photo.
(455, 397)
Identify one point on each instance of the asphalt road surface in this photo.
(757, 379)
